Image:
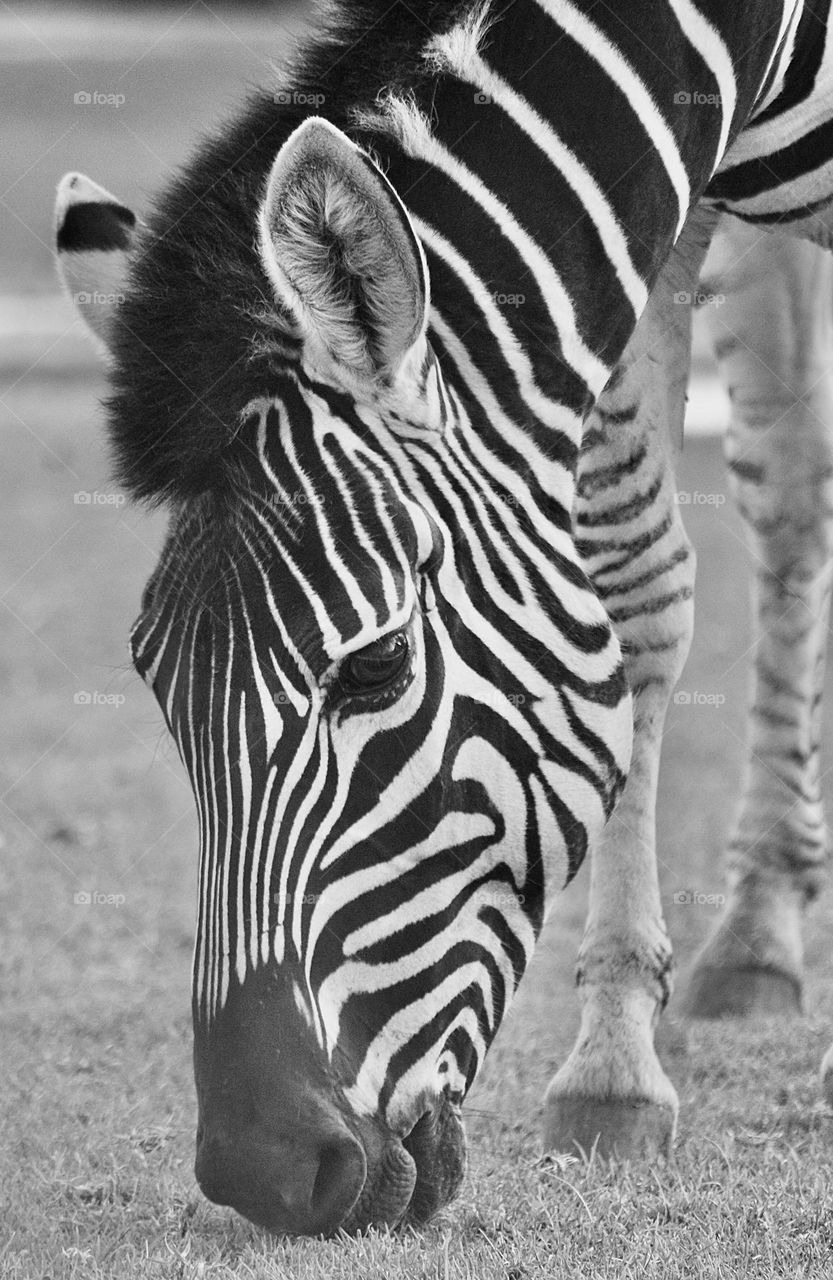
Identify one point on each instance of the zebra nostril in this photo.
(341, 1172)
(298, 1186)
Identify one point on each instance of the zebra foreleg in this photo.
(774, 339)
(612, 1090)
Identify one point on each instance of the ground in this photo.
(97, 866)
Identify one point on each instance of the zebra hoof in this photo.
(738, 992)
(827, 1076)
(621, 1128)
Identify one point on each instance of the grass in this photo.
(103, 1185)
(97, 1135)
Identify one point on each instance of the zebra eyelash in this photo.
(341, 698)
(345, 701)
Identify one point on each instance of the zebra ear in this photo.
(341, 252)
(94, 235)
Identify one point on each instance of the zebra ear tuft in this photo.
(341, 252)
(94, 236)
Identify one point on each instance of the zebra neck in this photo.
(549, 165)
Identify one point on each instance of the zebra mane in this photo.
(454, 49)
(397, 113)
(200, 333)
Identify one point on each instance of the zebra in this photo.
(407, 371)
(772, 336)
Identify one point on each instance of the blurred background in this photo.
(164, 75)
(121, 91)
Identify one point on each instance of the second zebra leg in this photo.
(774, 340)
(612, 1092)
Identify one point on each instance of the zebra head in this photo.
(398, 699)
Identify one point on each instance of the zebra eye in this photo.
(376, 666)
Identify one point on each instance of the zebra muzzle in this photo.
(410, 1179)
(388, 1191)
(298, 1185)
(437, 1144)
